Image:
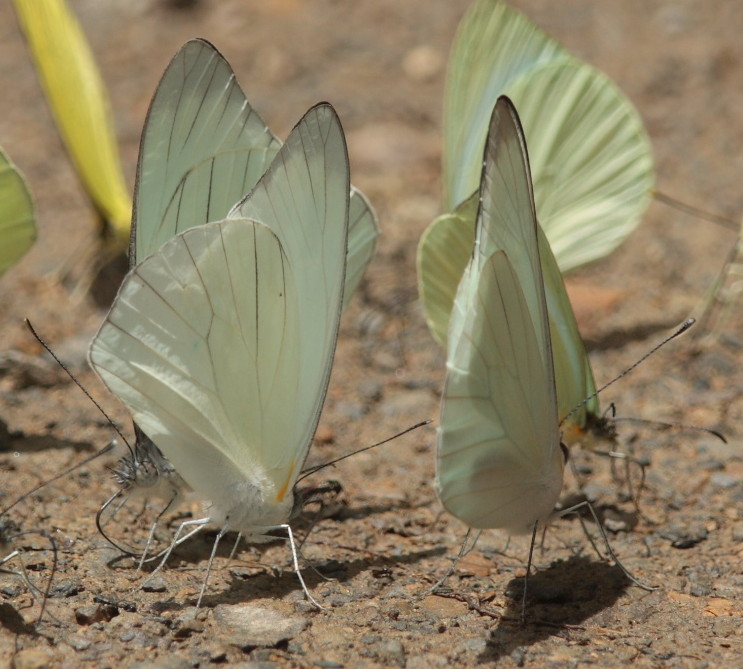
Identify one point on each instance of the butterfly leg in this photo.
(295, 556)
(151, 535)
(198, 524)
(23, 574)
(463, 550)
(609, 549)
(528, 569)
(221, 533)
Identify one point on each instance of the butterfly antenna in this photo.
(78, 384)
(675, 426)
(694, 211)
(103, 451)
(680, 330)
(312, 470)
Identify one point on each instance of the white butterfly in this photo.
(221, 342)
(499, 461)
(203, 149)
(592, 170)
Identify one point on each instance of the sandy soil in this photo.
(387, 541)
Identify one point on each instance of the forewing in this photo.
(17, 221)
(202, 345)
(304, 200)
(203, 148)
(79, 102)
(493, 46)
(507, 218)
(590, 156)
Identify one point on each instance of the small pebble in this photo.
(88, 615)
(31, 658)
(156, 584)
(78, 642)
(723, 480)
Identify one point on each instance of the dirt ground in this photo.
(387, 540)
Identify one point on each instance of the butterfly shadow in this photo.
(13, 622)
(618, 338)
(106, 280)
(278, 582)
(12, 442)
(563, 596)
(361, 512)
(341, 571)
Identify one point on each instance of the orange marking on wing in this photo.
(285, 486)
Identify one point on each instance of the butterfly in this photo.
(17, 221)
(203, 148)
(220, 343)
(499, 456)
(79, 103)
(591, 165)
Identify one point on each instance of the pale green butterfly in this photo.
(204, 148)
(499, 459)
(17, 221)
(220, 343)
(591, 165)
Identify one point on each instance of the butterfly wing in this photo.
(17, 222)
(203, 149)
(444, 250)
(573, 373)
(591, 159)
(292, 191)
(79, 103)
(493, 46)
(363, 232)
(221, 342)
(499, 459)
(196, 345)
